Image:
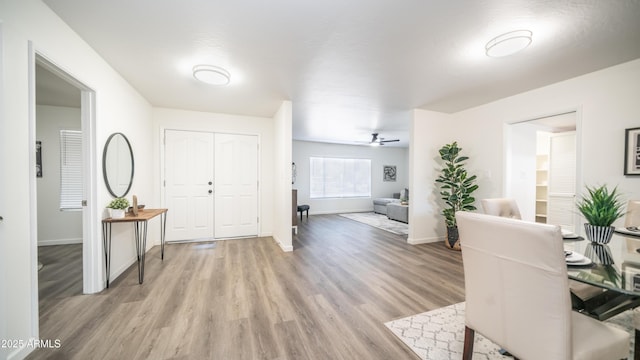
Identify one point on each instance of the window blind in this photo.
(339, 178)
(70, 170)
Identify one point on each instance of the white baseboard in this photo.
(59, 242)
(414, 241)
(334, 212)
(20, 353)
(284, 248)
(117, 272)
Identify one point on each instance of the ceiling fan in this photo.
(375, 140)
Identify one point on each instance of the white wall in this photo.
(118, 108)
(134, 120)
(283, 120)
(429, 132)
(4, 353)
(55, 227)
(379, 155)
(520, 157)
(606, 102)
(172, 119)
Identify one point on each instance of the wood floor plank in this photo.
(246, 299)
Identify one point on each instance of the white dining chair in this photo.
(505, 207)
(632, 217)
(516, 293)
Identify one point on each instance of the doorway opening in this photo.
(59, 188)
(543, 168)
(60, 105)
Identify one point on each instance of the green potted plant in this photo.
(117, 207)
(600, 207)
(456, 187)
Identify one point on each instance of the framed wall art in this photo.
(632, 151)
(39, 158)
(389, 173)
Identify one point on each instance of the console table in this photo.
(140, 226)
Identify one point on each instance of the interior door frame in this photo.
(507, 145)
(162, 177)
(91, 240)
(3, 252)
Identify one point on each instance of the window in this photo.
(340, 178)
(70, 170)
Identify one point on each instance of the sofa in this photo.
(398, 212)
(380, 204)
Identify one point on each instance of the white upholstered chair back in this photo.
(632, 217)
(504, 207)
(516, 286)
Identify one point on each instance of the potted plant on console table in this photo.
(456, 187)
(601, 208)
(117, 207)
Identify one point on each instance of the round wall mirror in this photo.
(117, 165)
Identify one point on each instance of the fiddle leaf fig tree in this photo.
(456, 186)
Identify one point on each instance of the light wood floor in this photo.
(246, 299)
(61, 275)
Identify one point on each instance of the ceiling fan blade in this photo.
(384, 141)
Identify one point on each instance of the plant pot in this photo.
(599, 254)
(117, 213)
(598, 234)
(453, 238)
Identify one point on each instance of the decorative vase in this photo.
(117, 213)
(598, 234)
(453, 238)
(599, 254)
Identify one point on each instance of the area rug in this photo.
(439, 334)
(380, 221)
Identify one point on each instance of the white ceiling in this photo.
(349, 67)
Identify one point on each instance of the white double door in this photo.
(210, 185)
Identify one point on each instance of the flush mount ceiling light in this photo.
(508, 43)
(210, 74)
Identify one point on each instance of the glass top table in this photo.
(614, 266)
(615, 270)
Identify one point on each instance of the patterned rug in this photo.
(380, 221)
(439, 334)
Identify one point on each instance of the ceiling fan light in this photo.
(213, 75)
(509, 43)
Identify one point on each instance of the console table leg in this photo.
(144, 250)
(141, 246)
(106, 245)
(163, 228)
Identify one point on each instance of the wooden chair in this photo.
(516, 286)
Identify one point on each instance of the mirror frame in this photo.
(104, 164)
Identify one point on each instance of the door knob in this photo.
(210, 191)
(210, 183)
